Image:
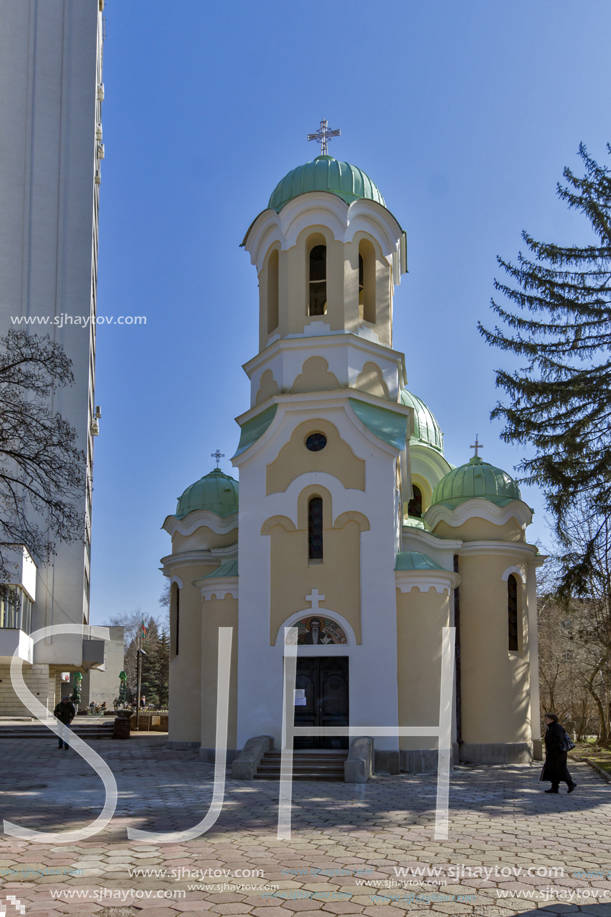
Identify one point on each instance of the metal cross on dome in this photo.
(323, 135)
(218, 455)
(477, 445)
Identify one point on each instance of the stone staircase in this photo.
(317, 764)
(87, 728)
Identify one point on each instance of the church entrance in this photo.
(321, 698)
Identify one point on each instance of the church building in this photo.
(349, 523)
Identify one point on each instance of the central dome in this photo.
(325, 174)
(426, 428)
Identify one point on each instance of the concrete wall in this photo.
(38, 678)
(99, 686)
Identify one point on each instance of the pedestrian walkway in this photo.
(356, 849)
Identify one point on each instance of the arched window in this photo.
(272, 291)
(317, 304)
(315, 528)
(414, 507)
(175, 608)
(512, 611)
(367, 281)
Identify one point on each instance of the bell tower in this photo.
(322, 454)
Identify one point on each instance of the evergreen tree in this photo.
(560, 402)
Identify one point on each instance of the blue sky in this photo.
(463, 113)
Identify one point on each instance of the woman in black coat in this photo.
(555, 768)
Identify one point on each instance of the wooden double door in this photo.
(322, 698)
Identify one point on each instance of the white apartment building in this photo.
(51, 147)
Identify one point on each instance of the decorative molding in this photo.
(178, 581)
(308, 403)
(442, 581)
(430, 541)
(220, 525)
(352, 516)
(521, 552)
(326, 209)
(299, 342)
(284, 521)
(219, 587)
(519, 570)
(324, 612)
(479, 508)
(187, 559)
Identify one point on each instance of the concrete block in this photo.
(358, 766)
(245, 765)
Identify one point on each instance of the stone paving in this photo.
(501, 826)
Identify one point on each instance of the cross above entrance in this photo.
(323, 135)
(477, 445)
(315, 598)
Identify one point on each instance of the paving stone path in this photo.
(501, 827)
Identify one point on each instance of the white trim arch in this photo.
(521, 572)
(178, 581)
(323, 612)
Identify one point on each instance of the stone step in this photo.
(314, 764)
(41, 732)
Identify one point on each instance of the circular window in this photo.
(316, 441)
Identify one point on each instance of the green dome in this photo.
(216, 492)
(426, 428)
(325, 174)
(476, 479)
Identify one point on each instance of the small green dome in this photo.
(325, 174)
(216, 492)
(426, 428)
(476, 479)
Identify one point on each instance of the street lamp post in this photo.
(139, 654)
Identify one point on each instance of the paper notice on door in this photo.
(300, 698)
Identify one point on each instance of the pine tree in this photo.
(560, 403)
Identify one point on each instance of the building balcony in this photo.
(14, 641)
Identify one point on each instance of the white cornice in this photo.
(218, 586)
(431, 542)
(220, 525)
(442, 581)
(342, 338)
(308, 402)
(187, 559)
(323, 208)
(479, 508)
(522, 552)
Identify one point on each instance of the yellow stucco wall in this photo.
(337, 577)
(420, 619)
(185, 669)
(495, 682)
(218, 613)
(294, 459)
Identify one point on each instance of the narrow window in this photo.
(175, 602)
(367, 281)
(272, 291)
(315, 528)
(318, 280)
(414, 507)
(512, 611)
